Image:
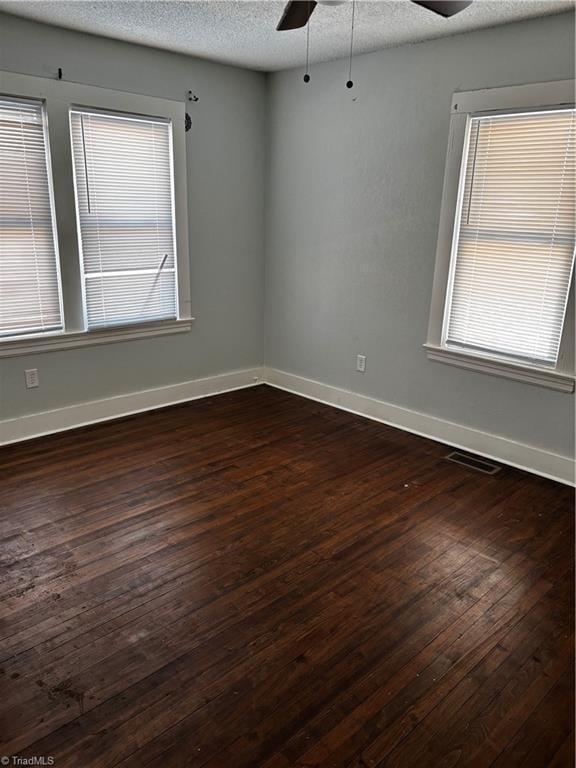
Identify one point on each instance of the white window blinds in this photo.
(514, 251)
(29, 276)
(124, 198)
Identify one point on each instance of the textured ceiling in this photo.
(243, 32)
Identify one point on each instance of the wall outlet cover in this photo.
(32, 380)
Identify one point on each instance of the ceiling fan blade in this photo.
(444, 8)
(296, 14)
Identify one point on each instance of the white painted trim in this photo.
(526, 457)
(34, 345)
(82, 414)
(551, 378)
(531, 95)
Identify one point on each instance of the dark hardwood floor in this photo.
(257, 580)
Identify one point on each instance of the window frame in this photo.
(59, 98)
(465, 105)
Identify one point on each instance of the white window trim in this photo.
(28, 345)
(513, 98)
(59, 97)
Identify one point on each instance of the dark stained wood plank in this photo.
(256, 579)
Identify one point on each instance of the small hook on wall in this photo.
(59, 73)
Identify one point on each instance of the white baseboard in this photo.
(82, 414)
(526, 457)
(520, 455)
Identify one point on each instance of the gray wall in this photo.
(355, 180)
(226, 165)
(349, 209)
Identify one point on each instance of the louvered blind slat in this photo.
(123, 175)
(514, 253)
(29, 275)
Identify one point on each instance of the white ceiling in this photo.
(243, 32)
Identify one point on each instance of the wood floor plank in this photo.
(258, 580)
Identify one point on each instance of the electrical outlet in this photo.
(361, 363)
(32, 380)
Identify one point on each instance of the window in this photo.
(29, 279)
(507, 268)
(123, 181)
(514, 247)
(119, 268)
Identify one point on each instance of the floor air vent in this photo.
(474, 462)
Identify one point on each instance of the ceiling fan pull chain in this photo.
(350, 82)
(307, 74)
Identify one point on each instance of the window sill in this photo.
(539, 376)
(39, 344)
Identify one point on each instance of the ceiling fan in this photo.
(297, 12)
